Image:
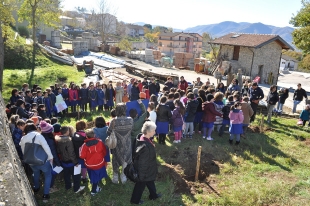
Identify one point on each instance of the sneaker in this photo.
(115, 178)
(97, 190)
(80, 189)
(203, 137)
(53, 189)
(46, 197)
(123, 178)
(179, 141)
(175, 141)
(209, 138)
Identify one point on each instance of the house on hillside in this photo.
(172, 42)
(256, 54)
(134, 30)
(288, 63)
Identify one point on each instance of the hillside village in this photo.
(124, 112)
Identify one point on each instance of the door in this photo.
(260, 71)
(236, 53)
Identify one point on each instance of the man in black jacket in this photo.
(153, 86)
(256, 94)
(299, 94)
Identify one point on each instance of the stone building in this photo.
(256, 54)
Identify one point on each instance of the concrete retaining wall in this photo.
(15, 189)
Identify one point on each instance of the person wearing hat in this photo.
(299, 94)
(256, 94)
(47, 132)
(183, 84)
(57, 127)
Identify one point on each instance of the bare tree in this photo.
(103, 19)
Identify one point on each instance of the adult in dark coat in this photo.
(83, 94)
(299, 94)
(145, 163)
(272, 99)
(20, 110)
(256, 94)
(283, 95)
(153, 87)
(135, 92)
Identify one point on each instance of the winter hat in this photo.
(46, 127)
(56, 127)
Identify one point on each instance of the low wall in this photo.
(15, 189)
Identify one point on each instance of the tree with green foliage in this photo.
(301, 35)
(125, 45)
(149, 26)
(6, 18)
(39, 12)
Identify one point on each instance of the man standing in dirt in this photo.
(299, 94)
(198, 84)
(256, 94)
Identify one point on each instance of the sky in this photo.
(182, 14)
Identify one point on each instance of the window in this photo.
(160, 44)
(170, 38)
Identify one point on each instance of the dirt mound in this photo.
(182, 171)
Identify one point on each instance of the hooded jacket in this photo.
(78, 140)
(177, 119)
(163, 113)
(93, 152)
(190, 110)
(209, 112)
(66, 150)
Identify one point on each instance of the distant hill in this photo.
(220, 29)
(223, 28)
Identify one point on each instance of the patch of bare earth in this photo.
(182, 171)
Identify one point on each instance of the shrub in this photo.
(23, 31)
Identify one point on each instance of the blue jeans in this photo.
(222, 129)
(280, 107)
(295, 105)
(235, 135)
(46, 169)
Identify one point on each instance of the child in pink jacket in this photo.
(236, 122)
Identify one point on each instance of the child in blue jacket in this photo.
(304, 115)
(100, 97)
(17, 134)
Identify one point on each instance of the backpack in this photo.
(130, 170)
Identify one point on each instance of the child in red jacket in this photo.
(93, 151)
(209, 114)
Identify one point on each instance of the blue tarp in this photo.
(104, 57)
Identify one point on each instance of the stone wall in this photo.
(268, 56)
(15, 189)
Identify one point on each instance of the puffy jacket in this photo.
(17, 135)
(219, 105)
(283, 97)
(176, 118)
(154, 88)
(145, 159)
(93, 152)
(66, 150)
(236, 116)
(101, 133)
(163, 113)
(304, 115)
(170, 104)
(78, 140)
(73, 94)
(190, 110)
(256, 94)
(272, 98)
(209, 112)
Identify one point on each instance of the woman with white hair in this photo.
(146, 164)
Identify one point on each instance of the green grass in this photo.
(43, 76)
(270, 168)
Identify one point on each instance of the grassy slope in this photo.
(266, 169)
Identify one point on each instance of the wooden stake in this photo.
(198, 163)
(262, 124)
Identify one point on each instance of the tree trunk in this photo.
(33, 39)
(1, 59)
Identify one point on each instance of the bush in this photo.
(23, 31)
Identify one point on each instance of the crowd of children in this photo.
(180, 110)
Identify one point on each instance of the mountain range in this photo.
(223, 28)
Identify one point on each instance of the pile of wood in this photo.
(114, 50)
(67, 51)
(156, 55)
(181, 59)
